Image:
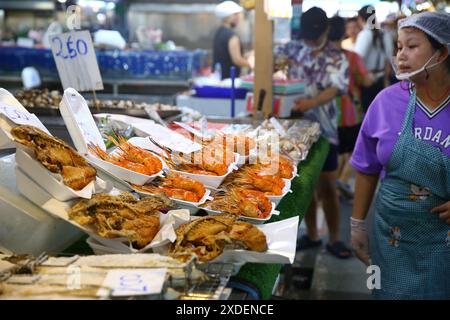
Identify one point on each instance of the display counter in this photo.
(255, 279)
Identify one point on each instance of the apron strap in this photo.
(408, 120)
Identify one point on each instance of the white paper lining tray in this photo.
(53, 183)
(83, 131)
(166, 137)
(294, 172)
(273, 212)
(12, 113)
(60, 209)
(24, 227)
(123, 119)
(281, 241)
(286, 190)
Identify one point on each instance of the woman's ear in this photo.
(444, 53)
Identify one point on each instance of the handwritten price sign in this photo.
(75, 59)
(20, 117)
(128, 282)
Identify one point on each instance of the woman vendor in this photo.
(405, 141)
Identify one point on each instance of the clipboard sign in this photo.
(76, 61)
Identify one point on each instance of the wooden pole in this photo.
(96, 102)
(263, 42)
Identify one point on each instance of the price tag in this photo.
(20, 117)
(278, 127)
(75, 59)
(133, 282)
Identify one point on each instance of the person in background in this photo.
(376, 49)
(227, 48)
(405, 140)
(352, 29)
(349, 106)
(324, 69)
(390, 27)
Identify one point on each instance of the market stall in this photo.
(61, 198)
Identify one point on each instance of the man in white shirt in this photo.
(376, 48)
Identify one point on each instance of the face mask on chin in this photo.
(409, 75)
(311, 49)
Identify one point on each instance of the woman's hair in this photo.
(439, 46)
(337, 28)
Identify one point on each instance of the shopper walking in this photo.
(349, 107)
(405, 140)
(324, 69)
(376, 49)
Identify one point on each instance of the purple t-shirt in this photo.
(382, 125)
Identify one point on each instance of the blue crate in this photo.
(157, 65)
(219, 92)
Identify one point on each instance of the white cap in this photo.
(227, 8)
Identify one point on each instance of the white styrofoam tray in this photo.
(60, 209)
(193, 207)
(286, 190)
(53, 183)
(25, 228)
(12, 113)
(273, 212)
(281, 239)
(211, 181)
(83, 130)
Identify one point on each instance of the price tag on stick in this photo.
(75, 59)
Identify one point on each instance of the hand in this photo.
(360, 240)
(443, 211)
(303, 105)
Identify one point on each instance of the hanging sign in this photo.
(75, 59)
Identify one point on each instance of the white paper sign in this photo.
(195, 132)
(133, 282)
(76, 61)
(19, 117)
(167, 137)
